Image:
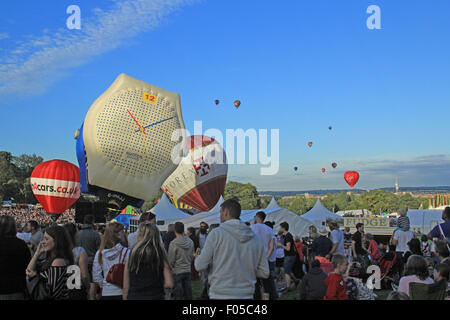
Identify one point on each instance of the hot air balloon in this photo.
(295, 168)
(124, 148)
(334, 164)
(56, 185)
(217, 102)
(330, 127)
(323, 170)
(351, 177)
(310, 144)
(237, 103)
(200, 178)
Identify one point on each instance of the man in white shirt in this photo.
(400, 239)
(337, 237)
(267, 238)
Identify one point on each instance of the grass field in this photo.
(197, 288)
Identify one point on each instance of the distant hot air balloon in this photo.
(310, 144)
(334, 164)
(217, 102)
(237, 103)
(351, 177)
(199, 180)
(330, 127)
(295, 168)
(56, 185)
(124, 146)
(323, 170)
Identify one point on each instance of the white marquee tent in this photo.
(319, 214)
(424, 220)
(167, 212)
(297, 225)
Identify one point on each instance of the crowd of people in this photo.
(233, 260)
(22, 216)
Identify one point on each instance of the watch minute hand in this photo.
(155, 123)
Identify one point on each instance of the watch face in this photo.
(129, 131)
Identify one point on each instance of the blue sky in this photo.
(296, 65)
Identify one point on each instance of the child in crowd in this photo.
(335, 282)
(313, 284)
(373, 248)
(402, 221)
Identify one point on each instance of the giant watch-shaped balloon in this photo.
(124, 146)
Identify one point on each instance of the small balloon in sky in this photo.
(237, 103)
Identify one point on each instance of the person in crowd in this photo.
(358, 251)
(132, 237)
(372, 249)
(289, 255)
(36, 236)
(23, 232)
(337, 239)
(180, 257)
(425, 246)
(272, 261)
(53, 270)
(322, 245)
(14, 258)
(441, 252)
(90, 240)
(441, 279)
(191, 234)
(414, 247)
(336, 289)
(356, 289)
(235, 254)
(266, 235)
(313, 284)
(396, 295)
(442, 230)
(80, 259)
(402, 235)
(202, 234)
(147, 272)
(168, 236)
(279, 262)
(299, 247)
(110, 252)
(416, 271)
(313, 234)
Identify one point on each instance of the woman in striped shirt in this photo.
(53, 270)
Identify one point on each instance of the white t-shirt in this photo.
(265, 234)
(337, 236)
(403, 238)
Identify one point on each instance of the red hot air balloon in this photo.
(323, 170)
(56, 185)
(351, 177)
(237, 103)
(199, 180)
(310, 144)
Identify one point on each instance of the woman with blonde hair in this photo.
(111, 252)
(147, 271)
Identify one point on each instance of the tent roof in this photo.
(273, 204)
(216, 208)
(165, 210)
(319, 214)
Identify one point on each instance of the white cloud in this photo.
(36, 63)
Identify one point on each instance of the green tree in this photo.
(246, 194)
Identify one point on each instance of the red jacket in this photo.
(335, 287)
(373, 249)
(299, 247)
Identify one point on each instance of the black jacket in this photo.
(14, 258)
(313, 285)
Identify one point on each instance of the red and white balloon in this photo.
(56, 185)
